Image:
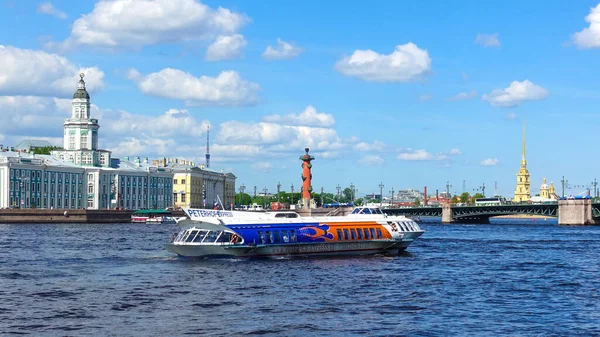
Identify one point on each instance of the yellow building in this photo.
(547, 191)
(523, 190)
(198, 187)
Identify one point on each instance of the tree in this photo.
(455, 199)
(477, 196)
(417, 202)
(347, 195)
(45, 149)
(243, 198)
(464, 197)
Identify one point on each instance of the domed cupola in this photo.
(81, 92)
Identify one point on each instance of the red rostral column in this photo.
(306, 178)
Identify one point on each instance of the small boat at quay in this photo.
(150, 216)
(218, 233)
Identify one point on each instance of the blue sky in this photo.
(410, 94)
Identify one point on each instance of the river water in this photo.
(512, 277)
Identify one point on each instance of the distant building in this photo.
(199, 187)
(30, 144)
(81, 175)
(523, 190)
(547, 193)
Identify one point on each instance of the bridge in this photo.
(575, 212)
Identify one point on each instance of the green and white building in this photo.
(81, 175)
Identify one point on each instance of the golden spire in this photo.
(523, 161)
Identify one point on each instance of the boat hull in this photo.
(291, 250)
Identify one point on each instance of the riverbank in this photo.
(29, 215)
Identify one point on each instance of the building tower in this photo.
(306, 178)
(80, 144)
(523, 191)
(207, 146)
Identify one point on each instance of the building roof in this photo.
(32, 143)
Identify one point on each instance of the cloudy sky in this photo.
(406, 93)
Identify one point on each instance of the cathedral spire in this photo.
(523, 161)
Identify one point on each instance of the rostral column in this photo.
(306, 178)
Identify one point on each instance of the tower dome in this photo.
(81, 92)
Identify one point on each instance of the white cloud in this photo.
(48, 8)
(27, 115)
(143, 146)
(511, 116)
(416, 155)
(172, 123)
(137, 23)
(463, 96)
(283, 51)
(425, 98)
(37, 73)
(226, 89)
(405, 64)
(308, 117)
(424, 155)
(226, 47)
(262, 166)
(487, 40)
(515, 94)
(371, 161)
(589, 37)
(490, 162)
(366, 147)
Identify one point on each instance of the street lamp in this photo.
(392, 191)
(292, 194)
(381, 194)
(278, 189)
(265, 198)
(338, 192)
(352, 190)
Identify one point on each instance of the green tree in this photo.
(464, 197)
(45, 149)
(417, 202)
(455, 199)
(243, 199)
(347, 195)
(476, 196)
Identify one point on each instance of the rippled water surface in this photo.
(513, 277)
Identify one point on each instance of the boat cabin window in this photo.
(367, 210)
(261, 237)
(359, 232)
(372, 231)
(225, 237)
(339, 234)
(191, 235)
(353, 233)
(379, 235)
(286, 215)
(367, 236)
(200, 236)
(346, 234)
(285, 237)
(211, 236)
(269, 237)
(293, 236)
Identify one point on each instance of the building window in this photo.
(84, 141)
(174, 181)
(183, 181)
(182, 197)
